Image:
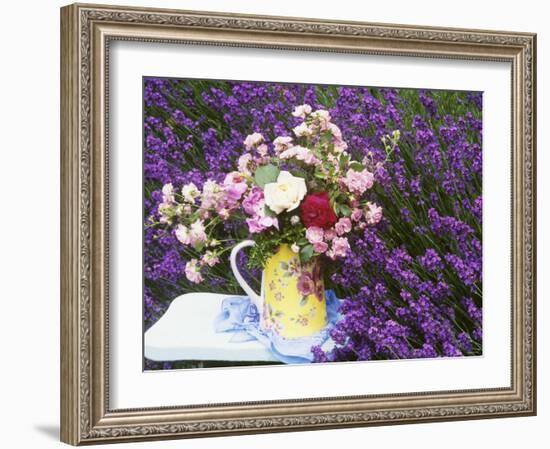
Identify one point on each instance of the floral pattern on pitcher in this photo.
(294, 294)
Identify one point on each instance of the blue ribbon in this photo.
(240, 317)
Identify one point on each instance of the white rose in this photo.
(286, 193)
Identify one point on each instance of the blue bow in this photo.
(240, 316)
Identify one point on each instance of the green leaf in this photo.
(344, 209)
(356, 166)
(199, 246)
(343, 161)
(303, 301)
(333, 194)
(306, 253)
(266, 174)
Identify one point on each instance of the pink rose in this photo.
(314, 234)
(330, 234)
(373, 213)
(358, 181)
(343, 226)
(340, 246)
(320, 247)
(356, 214)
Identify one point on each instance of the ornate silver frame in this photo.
(86, 31)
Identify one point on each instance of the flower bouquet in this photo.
(299, 196)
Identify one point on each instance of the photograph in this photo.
(305, 223)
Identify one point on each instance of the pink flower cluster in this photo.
(215, 200)
(332, 242)
(254, 205)
(329, 241)
(195, 235)
(358, 181)
(193, 267)
(301, 154)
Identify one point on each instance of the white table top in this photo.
(186, 332)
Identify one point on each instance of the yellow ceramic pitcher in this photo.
(292, 302)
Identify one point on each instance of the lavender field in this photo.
(411, 284)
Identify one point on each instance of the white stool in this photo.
(186, 332)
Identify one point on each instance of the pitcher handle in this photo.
(254, 297)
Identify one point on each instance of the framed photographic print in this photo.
(291, 224)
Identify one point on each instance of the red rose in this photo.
(316, 211)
